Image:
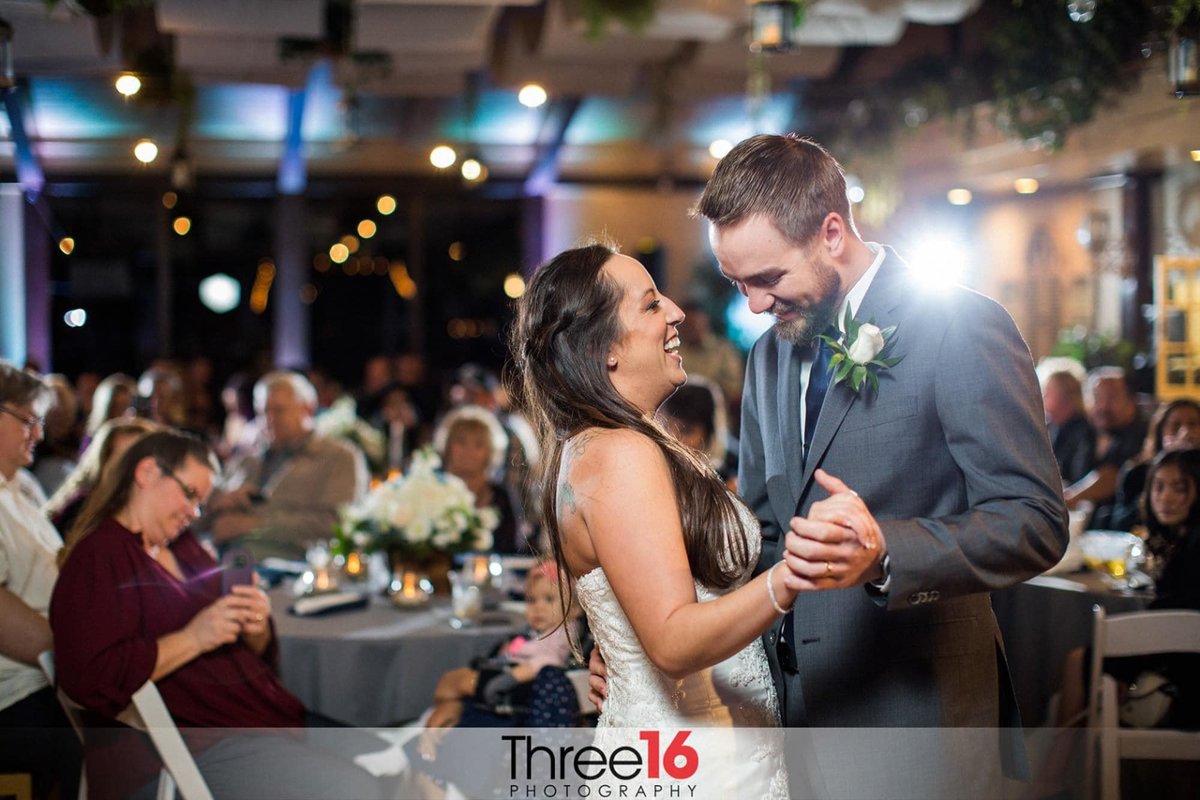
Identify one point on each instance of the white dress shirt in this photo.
(29, 545)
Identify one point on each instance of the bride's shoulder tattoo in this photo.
(566, 497)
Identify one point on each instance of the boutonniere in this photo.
(864, 355)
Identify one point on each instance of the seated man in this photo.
(1120, 433)
(34, 734)
(1072, 437)
(284, 496)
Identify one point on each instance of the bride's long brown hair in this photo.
(567, 322)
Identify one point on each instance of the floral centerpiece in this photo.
(341, 420)
(416, 517)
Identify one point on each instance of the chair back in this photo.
(148, 713)
(157, 722)
(1135, 634)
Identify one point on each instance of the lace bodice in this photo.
(738, 691)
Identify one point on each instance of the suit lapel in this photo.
(880, 302)
(788, 403)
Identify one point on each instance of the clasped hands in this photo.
(838, 545)
(245, 612)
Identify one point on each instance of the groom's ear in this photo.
(833, 234)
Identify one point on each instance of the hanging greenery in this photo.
(634, 15)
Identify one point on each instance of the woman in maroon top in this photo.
(139, 599)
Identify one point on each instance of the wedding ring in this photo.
(828, 569)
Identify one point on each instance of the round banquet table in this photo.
(1042, 620)
(378, 666)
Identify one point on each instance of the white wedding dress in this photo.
(737, 692)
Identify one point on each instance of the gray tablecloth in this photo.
(1042, 620)
(377, 666)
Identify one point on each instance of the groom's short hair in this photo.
(790, 179)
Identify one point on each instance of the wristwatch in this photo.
(884, 584)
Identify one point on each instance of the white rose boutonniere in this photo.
(865, 353)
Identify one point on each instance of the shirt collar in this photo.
(859, 290)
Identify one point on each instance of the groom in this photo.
(943, 469)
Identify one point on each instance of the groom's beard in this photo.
(815, 317)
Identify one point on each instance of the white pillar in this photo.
(12, 273)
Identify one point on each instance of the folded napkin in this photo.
(317, 604)
(284, 565)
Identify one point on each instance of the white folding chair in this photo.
(147, 713)
(1141, 633)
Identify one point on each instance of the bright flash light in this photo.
(220, 293)
(855, 194)
(338, 253)
(66, 245)
(128, 84)
(531, 95)
(720, 148)
(182, 225)
(145, 151)
(442, 156)
(367, 228)
(75, 318)
(386, 204)
(940, 259)
(959, 197)
(514, 285)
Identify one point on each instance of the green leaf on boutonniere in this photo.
(855, 374)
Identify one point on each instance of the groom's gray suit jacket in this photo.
(952, 457)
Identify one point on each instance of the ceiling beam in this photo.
(293, 170)
(29, 170)
(545, 167)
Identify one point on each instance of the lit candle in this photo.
(322, 580)
(481, 570)
(354, 564)
(408, 587)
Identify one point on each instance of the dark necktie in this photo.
(814, 396)
(818, 385)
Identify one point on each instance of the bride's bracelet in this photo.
(771, 588)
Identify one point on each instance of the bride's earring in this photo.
(612, 362)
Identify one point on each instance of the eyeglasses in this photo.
(29, 422)
(189, 493)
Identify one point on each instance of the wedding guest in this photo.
(497, 690)
(1071, 435)
(160, 395)
(397, 416)
(239, 431)
(286, 494)
(112, 439)
(696, 416)
(472, 443)
(34, 734)
(113, 397)
(1120, 431)
(59, 450)
(710, 355)
(1175, 426)
(138, 599)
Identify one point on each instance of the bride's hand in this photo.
(598, 679)
(839, 544)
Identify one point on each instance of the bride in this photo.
(660, 551)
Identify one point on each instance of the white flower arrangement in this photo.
(341, 420)
(420, 514)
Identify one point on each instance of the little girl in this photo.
(498, 684)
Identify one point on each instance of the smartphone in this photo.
(237, 569)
